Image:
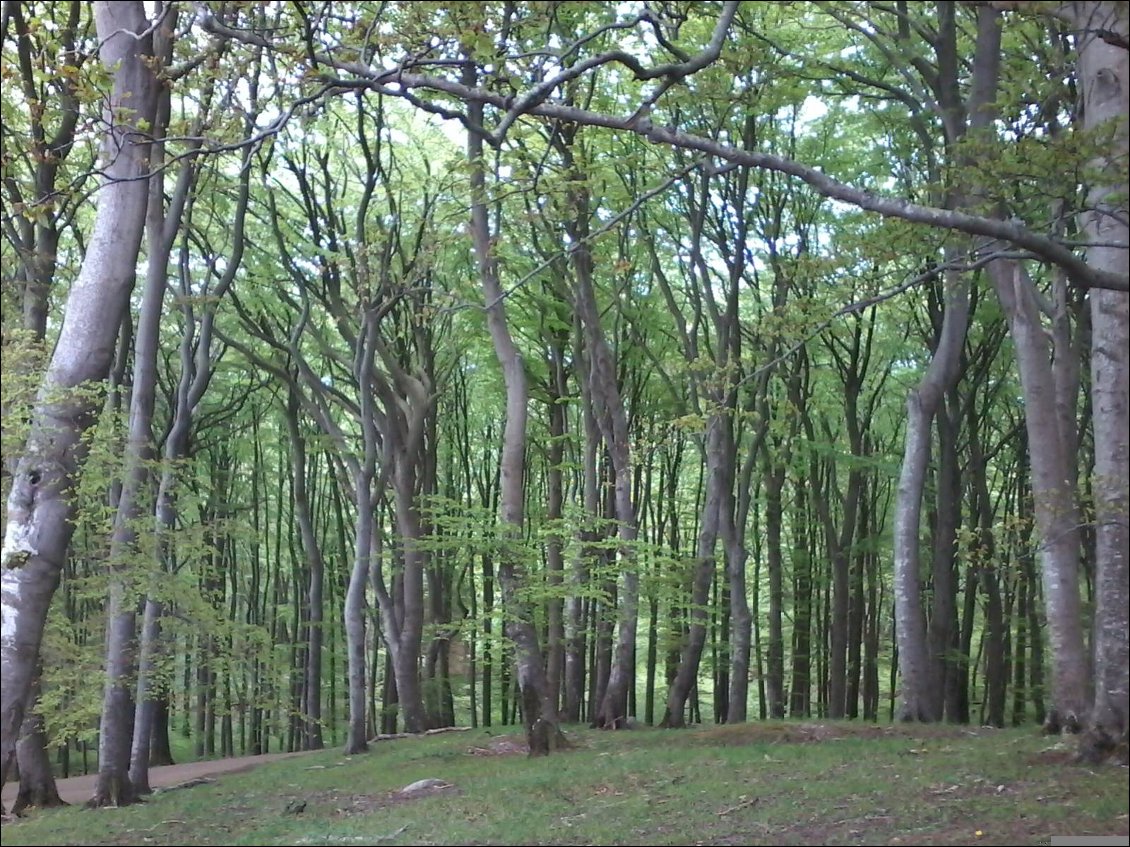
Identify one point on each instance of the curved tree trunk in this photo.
(357, 739)
(40, 510)
(687, 674)
(611, 417)
(539, 709)
(916, 700)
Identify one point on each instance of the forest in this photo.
(376, 368)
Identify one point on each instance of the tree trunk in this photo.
(985, 569)
(917, 699)
(1105, 74)
(800, 688)
(40, 509)
(554, 556)
(312, 552)
(406, 659)
(539, 702)
(687, 674)
(943, 629)
(575, 633)
(354, 616)
(1057, 514)
(735, 514)
(37, 782)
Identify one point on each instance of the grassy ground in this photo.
(760, 783)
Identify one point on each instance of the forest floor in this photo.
(76, 790)
(778, 782)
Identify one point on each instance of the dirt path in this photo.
(78, 789)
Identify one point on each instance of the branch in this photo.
(396, 83)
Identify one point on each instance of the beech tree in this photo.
(541, 362)
(38, 525)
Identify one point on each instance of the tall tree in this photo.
(40, 511)
(1104, 71)
(538, 701)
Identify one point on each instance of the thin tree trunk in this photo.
(575, 632)
(943, 627)
(538, 701)
(315, 604)
(675, 714)
(800, 690)
(775, 663)
(555, 563)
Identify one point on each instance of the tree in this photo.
(1105, 76)
(538, 701)
(38, 527)
(708, 246)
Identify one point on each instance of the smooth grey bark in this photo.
(735, 515)
(40, 510)
(1104, 72)
(916, 700)
(942, 632)
(114, 786)
(1054, 497)
(852, 363)
(406, 660)
(36, 241)
(554, 552)
(575, 634)
(714, 396)
(985, 570)
(356, 740)
(539, 708)
(775, 654)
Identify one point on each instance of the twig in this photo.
(191, 783)
(752, 801)
(393, 736)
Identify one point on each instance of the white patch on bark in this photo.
(10, 602)
(17, 545)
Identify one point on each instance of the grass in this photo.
(758, 783)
